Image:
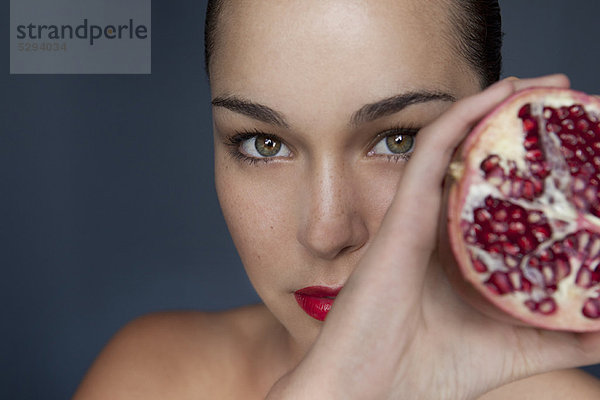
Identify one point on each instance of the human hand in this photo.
(398, 329)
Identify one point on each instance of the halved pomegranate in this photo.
(524, 208)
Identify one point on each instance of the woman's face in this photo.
(336, 90)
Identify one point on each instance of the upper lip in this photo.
(319, 291)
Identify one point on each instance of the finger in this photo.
(444, 134)
(550, 350)
(409, 230)
(555, 80)
(419, 189)
(437, 142)
(407, 235)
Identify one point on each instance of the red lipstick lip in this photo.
(316, 301)
(319, 291)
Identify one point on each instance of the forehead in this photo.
(284, 51)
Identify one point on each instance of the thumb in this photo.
(547, 350)
(413, 214)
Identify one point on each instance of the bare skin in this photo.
(330, 208)
(240, 355)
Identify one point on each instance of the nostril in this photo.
(330, 210)
(329, 237)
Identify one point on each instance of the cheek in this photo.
(258, 209)
(378, 187)
(265, 208)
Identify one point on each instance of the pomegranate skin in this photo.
(523, 211)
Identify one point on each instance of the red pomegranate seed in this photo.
(596, 277)
(550, 127)
(491, 202)
(533, 262)
(517, 213)
(482, 215)
(517, 227)
(530, 141)
(496, 248)
(532, 305)
(529, 124)
(541, 233)
(479, 266)
(534, 155)
(584, 278)
(562, 112)
(528, 190)
(525, 285)
(526, 244)
(510, 248)
(583, 125)
(490, 163)
(546, 255)
(499, 283)
(563, 268)
(524, 111)
(500, 215)
(547, 306)
(576, 111)
(591, 308)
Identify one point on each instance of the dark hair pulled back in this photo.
(477, 23)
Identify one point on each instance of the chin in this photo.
(304, 330)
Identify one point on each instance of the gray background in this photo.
(107, 202)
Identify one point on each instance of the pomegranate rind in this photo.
(501, 132)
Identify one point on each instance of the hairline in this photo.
(455, 17)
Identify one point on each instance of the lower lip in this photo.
(316, 301)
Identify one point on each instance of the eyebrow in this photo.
(367, 113)
(394, 104)
(253, 110)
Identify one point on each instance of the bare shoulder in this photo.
(176, 355)
(566, 384)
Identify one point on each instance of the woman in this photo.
(316, 108)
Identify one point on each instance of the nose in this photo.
(331, 219)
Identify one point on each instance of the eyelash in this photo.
(234, 142)
(397, 130)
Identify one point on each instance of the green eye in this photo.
(267, 146)
(263, 146)
(400, 144)
(395, 144)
